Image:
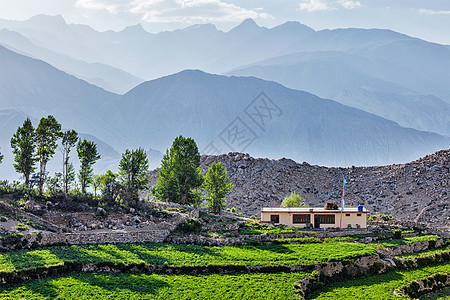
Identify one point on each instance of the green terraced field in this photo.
(376, 287)
(443, 294)
(425, 253)
(152, 286)
(185, 255)
(409, 240)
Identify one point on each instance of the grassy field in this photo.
(184, 255)
(443, 294)
(376, 287)
(153, 286)
(425, 253)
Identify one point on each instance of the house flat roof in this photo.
(311, 210)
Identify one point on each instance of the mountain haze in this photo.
(398, 77)
(305, 128)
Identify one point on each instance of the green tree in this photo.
(88, 155)
(133, 168)
(96, 183)
(217, 185)
(47, 134)
(109, 185)
(293, 200)
(23, 144)
(1, 157)
(54, 184)
(69, 140)
(180, 178)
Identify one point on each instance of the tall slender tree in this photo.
(88, 155)
(133, 168)
(216, 185)
(180, 177)
(23, 144)
(110, 187)
(47, 134)
(69, 140)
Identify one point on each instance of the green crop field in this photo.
(153, 286)
(443, 294)
(409, 240)
(376, 287)
(425, 253)
(184, 255)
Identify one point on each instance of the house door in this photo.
(316, 222)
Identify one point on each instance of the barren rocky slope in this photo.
(417, 191)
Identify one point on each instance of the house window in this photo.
(358, 215)
(275, 218)
(301, 219)
(325, 219)
(347, 215)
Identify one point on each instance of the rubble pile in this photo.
(416, 191)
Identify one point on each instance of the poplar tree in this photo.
(133, 168)
(88, 155)
(47, 134)
(217, 185)
(69, 140)
(23, 144)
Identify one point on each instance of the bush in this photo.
(21, 227)
(3, 219)
(12, 239)
(397, 234)
(233, 210)
(380, 218)
(189, 226)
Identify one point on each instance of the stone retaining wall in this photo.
(425, 285)
(414, 247)
(153, 236)
(33, 218)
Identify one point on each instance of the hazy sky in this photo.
(426, 19)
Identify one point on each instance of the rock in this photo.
(417, 191)
(101, 211)
(135, 219)
(132, 210)
(74, 222)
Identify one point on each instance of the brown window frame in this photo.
(326, 219)
(275, 219)
(301, 218)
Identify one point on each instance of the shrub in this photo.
(233, 210)
(12, 239)
(189, 226)
(3, 219)
(397, 234)
(21, 227)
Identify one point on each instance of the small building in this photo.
(316, 217)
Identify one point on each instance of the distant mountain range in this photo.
(386, 73)
(379, 75)
(221, 113)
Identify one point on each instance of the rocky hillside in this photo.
(417, 191)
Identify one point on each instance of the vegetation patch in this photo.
(378, 286)
(184, 255)
(410, 240)
(426, 253)
(154, 286)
